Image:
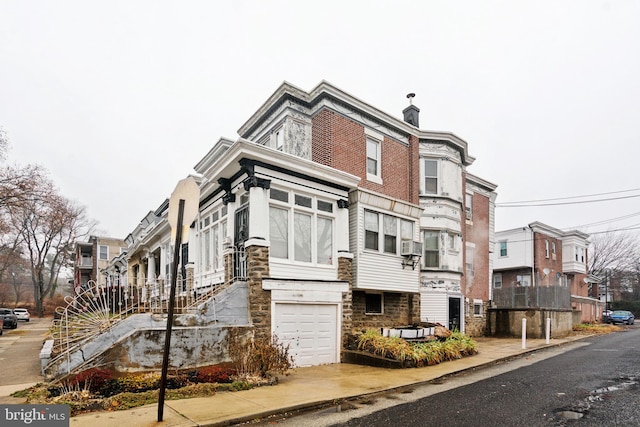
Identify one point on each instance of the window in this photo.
(477, 307)
(523, 280)
(452, 238)
(406, 229)
(389, 227)
(301, 231)
(279, 232)
(503, 248)
(430, 176)
(302, 236)
(278, 139)
(371, 230)
(553, 250)
(432, 249)
(373, 303)
(497, 280)
(213, 230)
(546, 249)
(576, 252)
(469, 261)
(468, 206)
(104, 252)
(373, 157)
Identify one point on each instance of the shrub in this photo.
(259, 357)
(92, 379)
(455, 346)
(212, 374)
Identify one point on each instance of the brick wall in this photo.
(341, 143)
(477, 232)
(541, 261)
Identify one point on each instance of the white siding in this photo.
(287, 270)
(385, 273)
(434, 307)
(519, 249)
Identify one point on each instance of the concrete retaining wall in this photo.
(137, 342)
(508, 322)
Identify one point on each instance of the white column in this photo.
(151, 268)
(258, 213)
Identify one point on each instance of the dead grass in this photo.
(596, 328)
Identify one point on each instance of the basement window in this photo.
(373, 303)
(477, 307)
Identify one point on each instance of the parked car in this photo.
(22, 314)
(1, 325)
(622, 316)
(605, 316)
(10, 319)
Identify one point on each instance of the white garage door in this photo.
(311, 330)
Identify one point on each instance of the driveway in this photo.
(20, 357)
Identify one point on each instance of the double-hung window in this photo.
(497, 280)
(503, 248)
(301, 227)
(104, 252)
(373, 158)
(381, 232)
(430, 170)
(371, 230)
(431, 248)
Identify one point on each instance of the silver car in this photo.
(22, 314)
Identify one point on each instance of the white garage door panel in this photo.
(310, 330)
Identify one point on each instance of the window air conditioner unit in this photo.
(411, 248)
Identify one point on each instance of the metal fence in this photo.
(95, 308)
(548, 297)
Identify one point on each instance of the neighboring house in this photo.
(543, 267)
(92, 257)
(479, 246)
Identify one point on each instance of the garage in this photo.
(307, 315)
(310, 330)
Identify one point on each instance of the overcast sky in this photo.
(120, 99)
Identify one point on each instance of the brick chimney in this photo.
(412, 113)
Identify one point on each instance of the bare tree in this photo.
(611, 256)
(48, 228)
(18, 186)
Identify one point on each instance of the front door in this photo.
(454, 314)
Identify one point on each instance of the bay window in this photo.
(301, 231)
(382, 231)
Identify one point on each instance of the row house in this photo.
(542, 266)
(92, 257)
(330, 216)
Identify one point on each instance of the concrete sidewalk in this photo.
(307, 388)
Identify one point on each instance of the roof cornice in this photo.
(326, 90)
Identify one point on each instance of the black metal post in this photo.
(172, 297)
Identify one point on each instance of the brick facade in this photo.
(542, 261)
(476, 286)
(342, 144)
